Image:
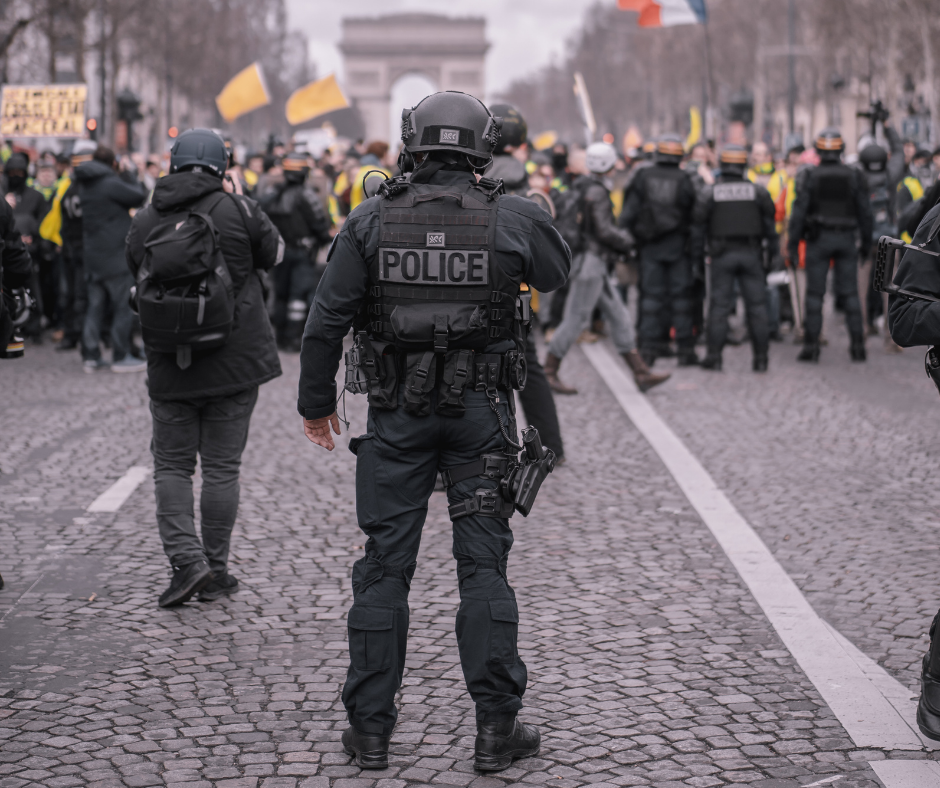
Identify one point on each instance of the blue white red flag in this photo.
(666, 13)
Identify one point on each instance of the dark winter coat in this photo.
(249, 242)
(106, 199)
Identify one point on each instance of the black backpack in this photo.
(185, 296)
(569, 217)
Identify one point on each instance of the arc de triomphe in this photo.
(378, 51)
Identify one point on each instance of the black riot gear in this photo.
(832, 199)
(296, 167)
(736, 213)
(873, 158)
(829, 145)
(199, 149)
(451, 121)
(733, 161)
(513, 131)
(669, 149)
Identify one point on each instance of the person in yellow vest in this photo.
(253, 170)
(375, 160)
(911, 187)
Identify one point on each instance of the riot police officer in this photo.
(304, 225)
(509, 158)
(658, 211)
(735, 220)
(917, 322)
(428, 274)
(831, 210)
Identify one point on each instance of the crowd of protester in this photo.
(74, 208)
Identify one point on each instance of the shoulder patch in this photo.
(523, 206)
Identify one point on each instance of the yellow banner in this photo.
(246, 91)
(313, 99)
(43, 110)
(695, 128)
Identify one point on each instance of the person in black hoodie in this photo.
(106, 200)
(205, 408)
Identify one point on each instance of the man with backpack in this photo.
(592, 235)
(195, 252)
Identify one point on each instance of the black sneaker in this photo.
(187, 580)
(368, 750)
(223, 585)
(501, 740)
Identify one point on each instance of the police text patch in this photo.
(433, 267)
(435, 239)
(450, 137)
(735, 192)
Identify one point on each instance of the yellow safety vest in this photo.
(51, 227)
(917, 191)
(358, 193)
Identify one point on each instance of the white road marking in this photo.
(113, 498)
(826, 781)
(859, 692)
(907, 774)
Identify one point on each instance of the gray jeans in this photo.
(591, 288)
(217, 430)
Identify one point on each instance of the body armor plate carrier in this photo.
(833, 200)
(735, 213)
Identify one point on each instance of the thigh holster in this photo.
(485, 501)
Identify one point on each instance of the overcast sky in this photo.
(524, 34)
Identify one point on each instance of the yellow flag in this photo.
(313, 99)
(246, 91)
(545, 140)
(695, 128)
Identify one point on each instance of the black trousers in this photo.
(667, 292)
(745, 266)
(398, 459)
(539, 403)
(838, 246)
(73, 297)
(295, 282)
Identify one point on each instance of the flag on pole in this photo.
(313, 99)
(666, 13)
(246, 91)
(695, 128)
(584, 104)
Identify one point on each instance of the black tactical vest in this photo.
(435, 284)
(661, 213)
(283, 211)
(735, 213)
(881, 207)
(833, 198)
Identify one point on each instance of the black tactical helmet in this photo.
(669, 149)
(733, 160)
(201, 148)
(873, 157)
(451, 121)
(513, 131)
(296, 167)
(829, 144)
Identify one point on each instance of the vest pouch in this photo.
(458, 368)
(420, 376)
(413, 326)
(383, 393)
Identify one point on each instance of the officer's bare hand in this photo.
(318, 431)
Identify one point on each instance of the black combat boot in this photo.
(759, 364)
(928, 708)
(810, 352)
(687, 357)
(501, 739)
(369, 749)
(187, 580)
(857, 348)
(712, 360)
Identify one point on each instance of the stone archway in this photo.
(378, 51)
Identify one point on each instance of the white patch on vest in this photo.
(435, 239)
(427, 267)
(450, 137)
(735, 192)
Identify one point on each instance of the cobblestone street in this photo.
(651, 663)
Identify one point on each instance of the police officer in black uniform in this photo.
(735, 220)
(831, 211)
(296, 211)
(658, 211)
(428, 274)
(509, 158)
(916, 322)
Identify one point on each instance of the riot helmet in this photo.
(82, 151)
(296, 167)
(600, 157)
(514, 131)
(829, 144)
(200, 150)
(669, 149)
(733, 161)
(649, 150)
(873, 158)
(449, 121)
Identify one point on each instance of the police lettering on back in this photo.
(434, 266)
